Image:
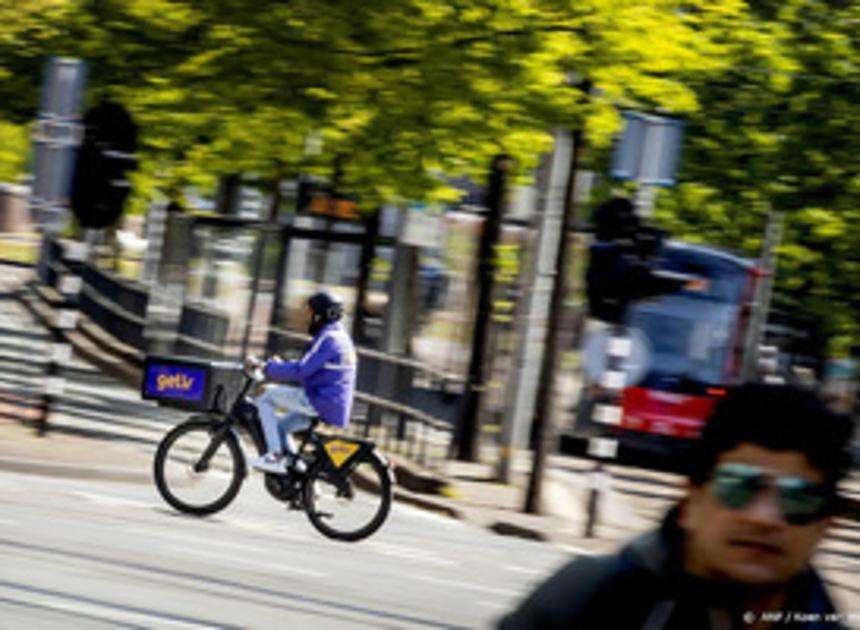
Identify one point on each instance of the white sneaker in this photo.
(294, 462)
(270, 463)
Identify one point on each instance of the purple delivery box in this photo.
(187, 383)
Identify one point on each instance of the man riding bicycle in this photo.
(327, 372)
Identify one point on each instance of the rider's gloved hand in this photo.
(253, 363)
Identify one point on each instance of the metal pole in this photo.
(258, 266)
(468, 427)
(552, 183)
(368, 251)
(65, 319)
(763, 293)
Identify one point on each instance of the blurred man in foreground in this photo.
(735, 552)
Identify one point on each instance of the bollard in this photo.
(69, 286)
(614, 379)
(602, 448)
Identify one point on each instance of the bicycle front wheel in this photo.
(349, 506)
(187, 479)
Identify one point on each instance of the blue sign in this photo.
(176, 382)
(648, 150)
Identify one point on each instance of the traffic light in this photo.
(100, 183)
(620, 269)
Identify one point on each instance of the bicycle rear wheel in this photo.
(352, 506)
(190, 484)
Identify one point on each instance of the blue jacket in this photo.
(327, 370)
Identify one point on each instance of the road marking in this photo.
(438, 519)
(465, 585)
(286, 568)
(579, 551)
(217, 551)
(198, 539)
(410, 553)
(105, 611)
(278, 531)
(113, 501)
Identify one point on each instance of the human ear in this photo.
(688, 506)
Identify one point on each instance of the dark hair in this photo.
(327, 308)
(779, 418)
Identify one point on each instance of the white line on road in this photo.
(199, 539)
(217, 551)
(438, 519)
(410, 553)
(113, 614)
(114, 501)
(286, 568)
(105, 611)
(276, 530)
(464, 585)
(579, 551)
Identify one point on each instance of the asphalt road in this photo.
(92, 554)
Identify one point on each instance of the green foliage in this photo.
(400, 92)
(781, 128)
(403, 92)
(13, 151)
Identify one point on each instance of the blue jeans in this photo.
(278, 431)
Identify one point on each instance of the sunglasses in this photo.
(800, 501)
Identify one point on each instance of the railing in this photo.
(116, 305)
(202, 332)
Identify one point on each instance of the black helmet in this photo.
(326, 306)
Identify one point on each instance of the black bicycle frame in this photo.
(224, 427)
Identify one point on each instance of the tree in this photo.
(400, 92)
(781, 130)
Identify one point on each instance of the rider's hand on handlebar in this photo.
(252, 363)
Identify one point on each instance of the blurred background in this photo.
(443, 167)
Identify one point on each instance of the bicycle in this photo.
(342, 478)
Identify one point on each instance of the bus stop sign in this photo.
(648, 150)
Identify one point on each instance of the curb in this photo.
(518, 531)
(430, 505)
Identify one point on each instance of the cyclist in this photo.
(327, 372)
